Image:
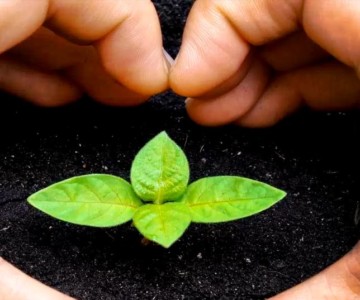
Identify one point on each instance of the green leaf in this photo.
(94, 200)
(162, 223)
(227, 198)
(160, 171)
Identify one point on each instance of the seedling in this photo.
(159, 200)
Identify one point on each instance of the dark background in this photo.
(312, 156)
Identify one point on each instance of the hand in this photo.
(254, 62)
(15, 285)
(51, 51)
(339, 281)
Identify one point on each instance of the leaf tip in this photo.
(282, 194)
(31, 199)
(166, 243)
(163, 134)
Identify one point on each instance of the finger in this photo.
(42, 88)
(18, 286)
(218, 36)
(330, 86)
(211, 52)
(233, 104)
(48, 51)
(16, 23)
(98, 84)
(292, 52)
(126, 33)
(81, 64)
(336, 28)
(213, 46)
(231, 82)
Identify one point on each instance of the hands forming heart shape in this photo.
(245, 62)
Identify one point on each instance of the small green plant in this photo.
(159, 200)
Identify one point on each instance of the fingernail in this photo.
(169, 61)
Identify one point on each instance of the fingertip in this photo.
(193, 76)
(206, 114)
(132, 52)
(56, 98)
(211, 52)
(193, 108)
(278, 101)
(147, 75)
(58, 92)
(256, 122)
(229, 106)
(37, 86)
(16, 23)
(91, 77)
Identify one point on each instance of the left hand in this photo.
(52, 51)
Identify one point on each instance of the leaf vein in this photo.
(87, 202)
(228, 201)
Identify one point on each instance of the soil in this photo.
(312, 156)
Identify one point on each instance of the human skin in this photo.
(340, 281)
(15, 285)
(245, 62)
(64, 49)
(254, 62)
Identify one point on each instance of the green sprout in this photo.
(159, 200)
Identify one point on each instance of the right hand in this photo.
(254, 62)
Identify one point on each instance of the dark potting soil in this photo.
(312, 156)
